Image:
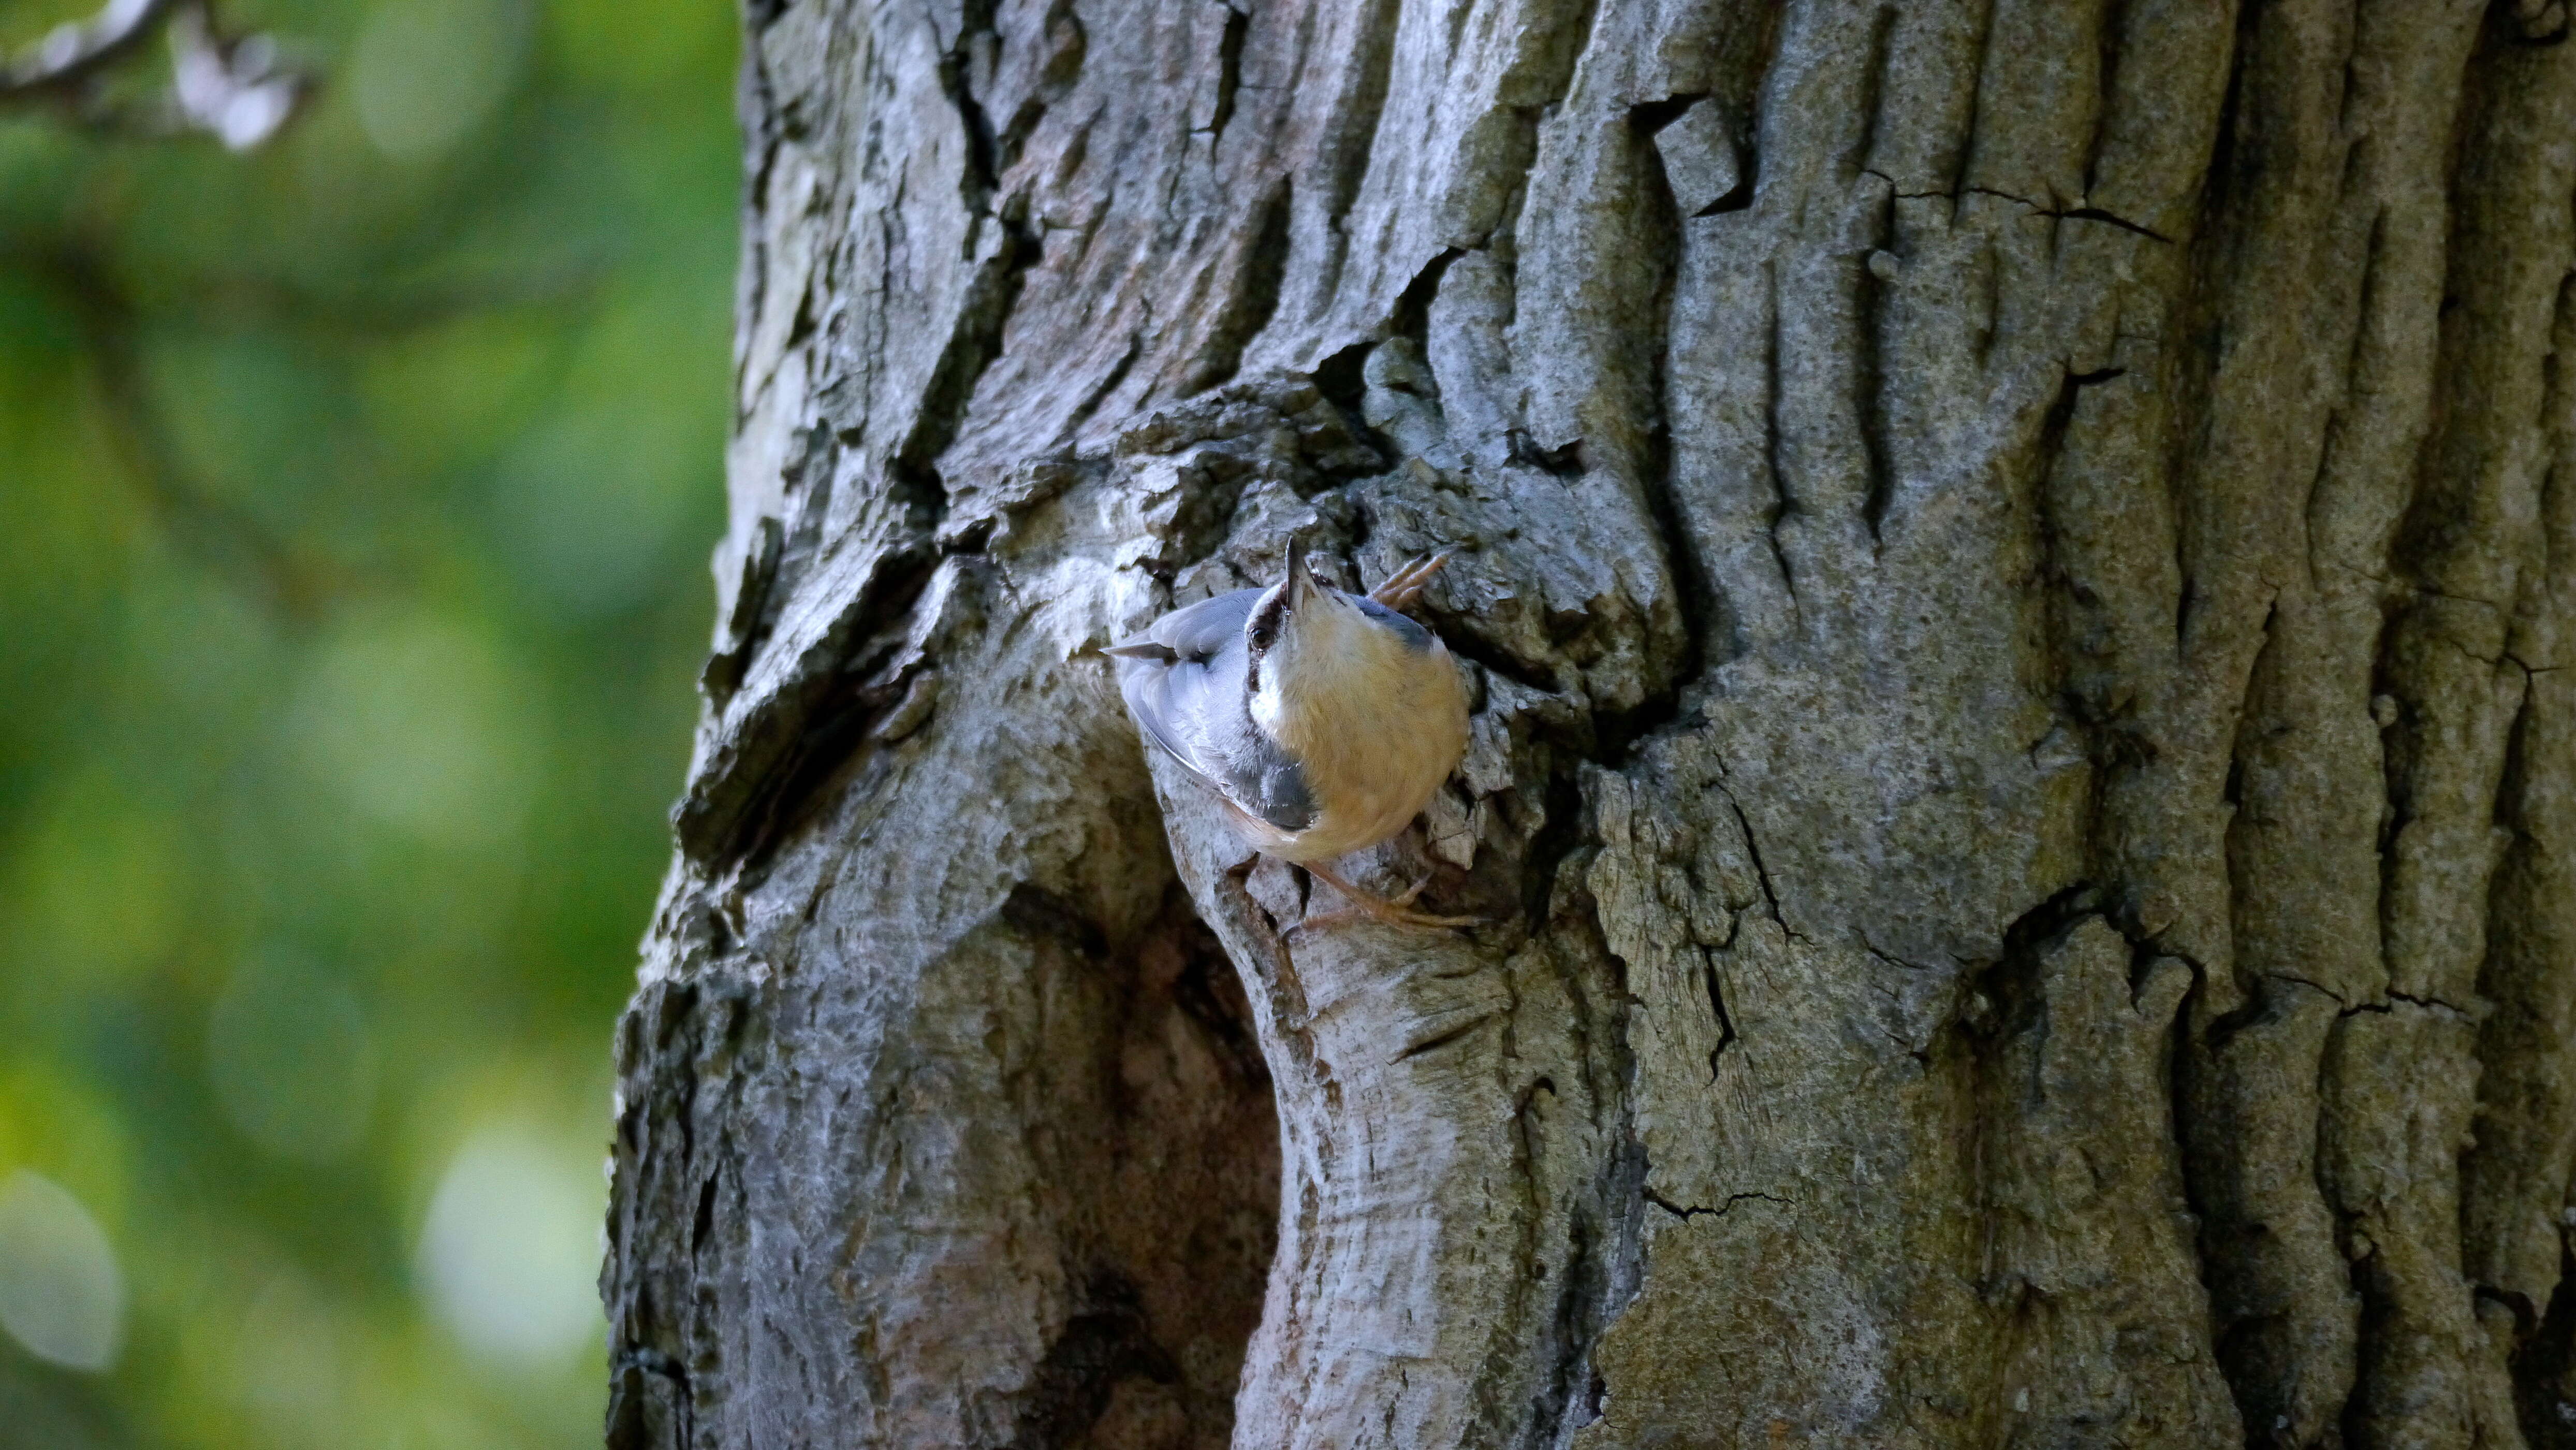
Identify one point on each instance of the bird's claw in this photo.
(1392, 911)
(1405, 585)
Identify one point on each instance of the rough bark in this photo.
(2017, 561)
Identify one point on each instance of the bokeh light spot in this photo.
(293, 1359)
(428, 71)
(292, 1063)
(412, 719)
(61, 1292)
(509, 1254)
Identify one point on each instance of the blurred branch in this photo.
(292, 582)
(238, 90)
(380, 309)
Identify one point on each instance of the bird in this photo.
(1325, 721)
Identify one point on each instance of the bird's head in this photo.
(1297, 632)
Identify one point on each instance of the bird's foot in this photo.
(1394, 911)
(1404, 586)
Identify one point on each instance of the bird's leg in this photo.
(1405, 585)
(1364, 904)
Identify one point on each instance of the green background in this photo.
(355, 496)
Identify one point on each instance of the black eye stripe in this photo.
(1264, 626)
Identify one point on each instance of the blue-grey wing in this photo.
(1176, 704)
(1166, 673)
(1198, 631)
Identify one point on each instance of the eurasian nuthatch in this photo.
(1324, 720)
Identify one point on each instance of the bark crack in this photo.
(1229, 74)
(1783, 503)
(1443, 1038)
(1717, 1008)
(1761, 872)
(2036, 208)
(1687, 1212)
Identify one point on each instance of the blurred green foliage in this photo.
(354, 495)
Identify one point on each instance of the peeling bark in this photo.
(2017, 562)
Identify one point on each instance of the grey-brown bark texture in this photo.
(2017, 560)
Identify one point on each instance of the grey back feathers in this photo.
(1186, 679)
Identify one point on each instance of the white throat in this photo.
(1331, 658)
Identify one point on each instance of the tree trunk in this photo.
(2017, 561)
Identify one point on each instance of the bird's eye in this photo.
(1263, 636)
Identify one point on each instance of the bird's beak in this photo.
(1301, 584)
